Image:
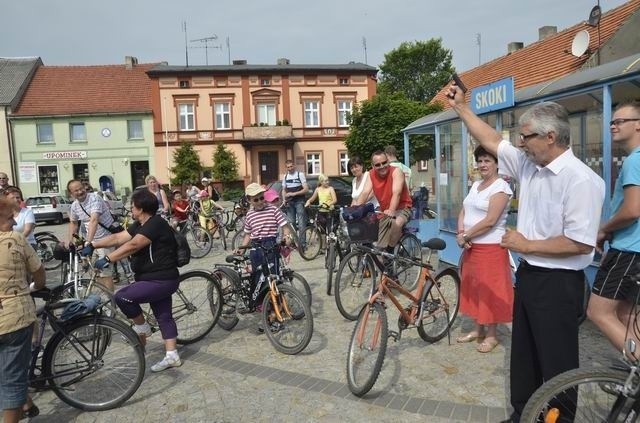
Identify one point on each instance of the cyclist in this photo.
(180, 207)
(154, 187)
(207, 207)
(24, 217)
(326, 196)
(152, 247)
(294, 190)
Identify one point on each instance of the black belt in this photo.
(525, 265)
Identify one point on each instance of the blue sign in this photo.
(495, 96)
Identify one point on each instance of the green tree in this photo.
(225, 164)
(187, 165)
(378, 122)
(417, 69)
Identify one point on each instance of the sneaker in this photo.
(273, 327)
(166, 363)
(611, 388)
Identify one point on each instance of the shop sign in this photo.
(495, 96)
(56, 155)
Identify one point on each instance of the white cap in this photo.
(204, 180)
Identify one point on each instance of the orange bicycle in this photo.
(432, 310)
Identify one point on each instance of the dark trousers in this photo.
(545, 328)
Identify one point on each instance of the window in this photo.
(311, 113)
(313, 164)
(134, 130)
(344, 112)
(187, 117)
(48, 179)
(184, 84)
(77, 132)
(344, 81)
(343, 158)
(223, 115)
(265, 82)
(45, 133)
(266, 113)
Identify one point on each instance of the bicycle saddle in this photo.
(48, 293)
(435, 244)
(235, 258)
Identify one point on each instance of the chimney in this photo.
(546, 32)
(283, 61)
(514, 46)
(239, 62)
(130, 62)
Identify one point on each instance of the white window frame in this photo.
(266, 113)
(81, 136)
(187, 116)
(314, 163)
(343, 159)
(312, 113)
(45, 138)
(345, 108)
(135, 129)
(222, 112)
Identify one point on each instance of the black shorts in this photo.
(612, 281)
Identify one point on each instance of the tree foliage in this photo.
(187, 165)
(225, 164)
(378, 122)
(417, 69)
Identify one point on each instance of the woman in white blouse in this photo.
(356, 168)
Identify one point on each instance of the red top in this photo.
(383, 190)
(180, 209)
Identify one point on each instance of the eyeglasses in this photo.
(618, 122)
(6, 179)
(381, 164)
(256, 199)
(525, 138)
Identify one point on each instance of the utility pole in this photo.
(206, 41)
(228, 51)
(186, 50)
(364, 46)
(479, 43)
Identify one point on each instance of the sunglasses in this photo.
(256, 199)
(381, 164)
(615, 122)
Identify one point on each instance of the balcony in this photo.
(267, 132)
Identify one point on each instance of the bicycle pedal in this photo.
(395, 335)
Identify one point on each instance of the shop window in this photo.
(48, 179)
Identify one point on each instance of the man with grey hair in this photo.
(558, 217)
(4, 181)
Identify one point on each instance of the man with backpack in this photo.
(294, 190)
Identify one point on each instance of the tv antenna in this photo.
(364, 47)
(206, 46)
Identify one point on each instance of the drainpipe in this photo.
(12, 158)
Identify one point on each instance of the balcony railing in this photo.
(265, 132)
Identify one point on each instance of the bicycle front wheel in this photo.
(440, 306)
(196, 305)
(313, 240)
(407, 274)
(355, 281)
(331, 264)
(98, 366)
(229, 281)
(367, 348)
(44, 247)
(297, 281)
(287, 320)
(580, 395)
(200, 241)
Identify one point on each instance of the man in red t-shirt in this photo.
(388, 185)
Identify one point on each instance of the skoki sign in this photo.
(495, 96)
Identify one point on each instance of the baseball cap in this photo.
(254, 189)
(204, 180)
(203, 194)
(271, 195)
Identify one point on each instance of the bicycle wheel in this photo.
(97, 372)
(367, 348)
(331, 264)
(292, 331)
(408, 247)
(200, 241)
(354, 282)
(196, 305)
(440, 306)
(314, 243)
(580, 395)
(297, 281)
(44, 247)
(236, 241)
(87, 287)
(228, 280)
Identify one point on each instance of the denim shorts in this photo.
(15, 354)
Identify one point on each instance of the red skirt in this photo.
(486, 289)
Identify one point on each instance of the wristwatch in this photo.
(107, 259)
(465, 237)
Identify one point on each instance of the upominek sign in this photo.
(54, 155)
(495, 96)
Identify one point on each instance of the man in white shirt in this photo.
(392, 155)
(558, 217)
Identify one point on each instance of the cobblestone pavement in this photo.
(238, 375)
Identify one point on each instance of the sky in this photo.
(87, 32)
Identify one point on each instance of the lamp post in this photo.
(166, 138)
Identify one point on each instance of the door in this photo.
(139, 171)
(268, 162)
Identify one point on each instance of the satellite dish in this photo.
(594, 16)
(580, 43)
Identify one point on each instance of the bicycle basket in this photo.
(60, 252)
(365, 229)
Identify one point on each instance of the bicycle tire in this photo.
(200, 241)
(236, 241)
(367, 348)
(297, 281)
(440, 306)
(44, 247)
(107, 302)
(313, 245)
(410, 247)
(294, 332)
(118, 366)
(196, 305)
(331, 264)
(229, 282)
(354, 287)
(581, 395)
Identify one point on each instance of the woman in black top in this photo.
(152, 247)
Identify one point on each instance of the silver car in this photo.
(49, 208)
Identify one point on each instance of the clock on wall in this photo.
(106, 132)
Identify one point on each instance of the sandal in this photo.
(30, 412)
(487, 345)
(470, 337)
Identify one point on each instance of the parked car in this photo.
(49, 208)
(114, 203)
(342, 186)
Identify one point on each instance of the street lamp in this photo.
(166, 138)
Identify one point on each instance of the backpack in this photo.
(215, 195)
(183, 251)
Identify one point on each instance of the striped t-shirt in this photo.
(265, 222)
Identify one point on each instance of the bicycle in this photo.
(314, 233)
(200, 240)
(286, 313)
(45, 244)
(607, 394)
(92, 362)
(432, 310)
(233, 218)
(338, 245)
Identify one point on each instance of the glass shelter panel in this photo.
(450, 178)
